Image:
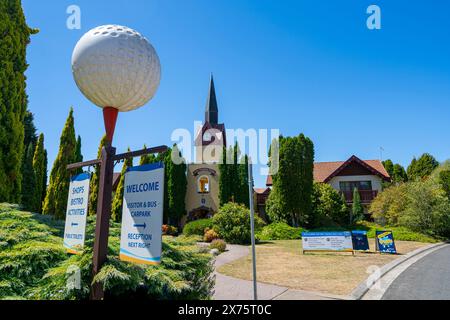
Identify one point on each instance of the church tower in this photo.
(211, 138)
(202, 195)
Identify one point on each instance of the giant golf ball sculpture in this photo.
(117, 69)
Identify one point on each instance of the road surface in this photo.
(427, 279)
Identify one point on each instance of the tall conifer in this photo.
(56, 200)
(291, 196)
(78, 155)
(29, 180)
(14, 38)
(40, 169)
(94, 183)
(116, 211)
(176, 186)
(357, 208)
(147, 158)
(45, 178)
(224, 183)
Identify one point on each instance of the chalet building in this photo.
(344, 176)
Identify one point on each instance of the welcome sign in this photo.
(142, 214)
(77, 206)
(327, 241)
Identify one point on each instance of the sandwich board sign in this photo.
(142, 214)
(327, 241)
(77, 208)
(384, 241)
(360, 241)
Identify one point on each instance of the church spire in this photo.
(212, 112)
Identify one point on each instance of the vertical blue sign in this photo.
(77, 206)
(142, 214)
(360, 241)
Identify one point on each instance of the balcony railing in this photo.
(365, 195)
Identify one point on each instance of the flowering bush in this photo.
(169, 230)
(210, 235)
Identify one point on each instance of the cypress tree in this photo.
(29, 180)
(56, 200)
(234, 174)
(30, 138)
(30, 135)
(14, 38)
(94, 183)
(242, 195)
(389, 166)
(147, 158)
(45, 178)
(176, 186)
(395, 171)
(40, 169)
(293, 182)
(344, 208)
(78, 155)
(425, 165)
(167, 160)
(116, 211)
(411, 170)
(444, 180)
(306, 177)
(399, 174)
(357, 208)
(224, 183)
(233, 179)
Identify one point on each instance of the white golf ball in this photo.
(115, 66)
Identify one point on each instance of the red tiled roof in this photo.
(323, 170)
(261, 190)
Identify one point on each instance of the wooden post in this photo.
(103, 216)
(106, 163)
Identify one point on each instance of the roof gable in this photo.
(356, 166)
(325, 171)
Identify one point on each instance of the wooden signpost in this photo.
(106, 163)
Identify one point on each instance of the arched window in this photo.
(203, 184)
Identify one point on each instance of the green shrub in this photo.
(27, 249)
(219, 245)
(197, 227)
(279, 231)
(232, 223)
(328, 206)
(34, 265)
(400, 233)
(420, 206)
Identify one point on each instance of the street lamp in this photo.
(117, 69)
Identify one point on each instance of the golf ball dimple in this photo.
(115, 66)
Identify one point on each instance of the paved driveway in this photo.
(428, 278)
(229, 288)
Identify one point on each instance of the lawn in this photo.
(281, 262)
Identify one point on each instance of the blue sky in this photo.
(300, 66)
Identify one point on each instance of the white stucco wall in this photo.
(376, 181)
